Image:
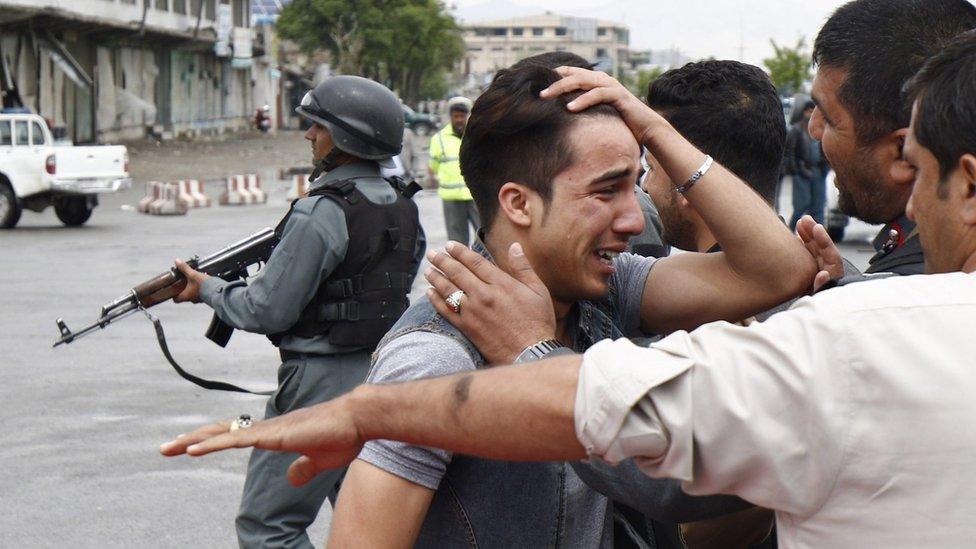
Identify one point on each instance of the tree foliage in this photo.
(405, 44)
(789, 67)
(638, 82)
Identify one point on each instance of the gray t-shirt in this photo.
(420, 354)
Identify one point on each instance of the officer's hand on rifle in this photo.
(194, 279)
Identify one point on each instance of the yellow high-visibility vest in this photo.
(445, 147)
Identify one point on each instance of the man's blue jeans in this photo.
(809, 196)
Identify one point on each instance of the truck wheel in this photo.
(73, 211)
(9, 208)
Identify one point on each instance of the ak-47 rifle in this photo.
(230, 263)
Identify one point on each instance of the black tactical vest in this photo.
(366, 294)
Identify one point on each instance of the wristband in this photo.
(696, 176)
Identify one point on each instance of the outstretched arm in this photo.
(468, 413)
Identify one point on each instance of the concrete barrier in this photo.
(154, 191)
(254, 187)
(169, 203)
(191, 192)
(242, 190)
(298, 187)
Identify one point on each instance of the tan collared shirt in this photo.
(853, 415)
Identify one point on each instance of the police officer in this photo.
(336, 282)
(445, 173)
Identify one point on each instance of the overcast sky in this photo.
(725, 29)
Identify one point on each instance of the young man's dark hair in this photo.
(881, 44)
(514, 135)
(943, 124)
(731, 111)
(553, 59)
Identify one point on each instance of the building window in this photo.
(128, 1)
(497, 49)
(536, 31)
(241, 17)
(560, 31)
(537, 48)
(560, 48)
(475, 49)
(602, 31)
(480, 32)
(162, 5)
(211, 10)
(601, 52)
(499, 31)
(179, 6)
(518, 31)
(517, 48)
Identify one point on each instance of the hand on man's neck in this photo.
(498, 244)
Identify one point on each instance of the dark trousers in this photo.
(273, 513)
(457, 215)
(809, 197)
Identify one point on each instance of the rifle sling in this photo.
(205, 383)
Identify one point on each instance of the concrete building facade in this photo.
(495, 44)
(107, 70)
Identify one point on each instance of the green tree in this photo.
(789, 67)
(403, 43)
(638, 82)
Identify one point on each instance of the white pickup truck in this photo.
(36, 173)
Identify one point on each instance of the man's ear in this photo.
(899, 170)
(514, 202)
(967, 171)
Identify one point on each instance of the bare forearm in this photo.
(513, 413)
(742, 223)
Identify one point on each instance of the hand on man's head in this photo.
(599, 87)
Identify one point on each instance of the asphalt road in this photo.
(82, 422)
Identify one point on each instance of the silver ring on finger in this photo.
(243, 421)
(454, 301)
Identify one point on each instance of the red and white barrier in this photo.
(191, 192)
(298, 187)
(169, 202)
(254, 187)
(243, 189)
(154, 191)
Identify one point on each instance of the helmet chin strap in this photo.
(327, 164)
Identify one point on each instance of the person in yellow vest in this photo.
(445, 173)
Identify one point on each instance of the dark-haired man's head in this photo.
(865, 53)
(554, 59)
(941, 146)
(558, 182)
(729, 110)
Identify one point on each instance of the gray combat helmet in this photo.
(363, 117)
